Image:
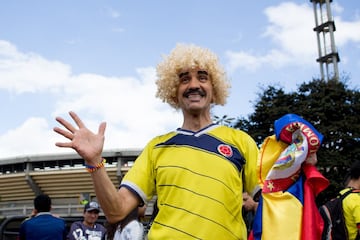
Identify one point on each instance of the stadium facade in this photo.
(62, 176)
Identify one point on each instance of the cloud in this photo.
(250, 62)
(33, 136)
(290, 29)
(112, 12)
(29, 72)
(127, 104)
(292, 39)
(347, 32)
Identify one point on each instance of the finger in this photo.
(64, 133)
(102, 128)
(64, 145)
(66, 124)
(77, 119)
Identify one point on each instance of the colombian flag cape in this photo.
(287, 208)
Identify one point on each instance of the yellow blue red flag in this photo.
(287, 208)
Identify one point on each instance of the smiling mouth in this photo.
(193, 93)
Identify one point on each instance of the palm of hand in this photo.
(86, 143)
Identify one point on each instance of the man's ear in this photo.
(175, 99)
(34, 212)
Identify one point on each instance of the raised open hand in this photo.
(86, 143)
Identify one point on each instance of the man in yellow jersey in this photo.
(198, 171)
(351, 203)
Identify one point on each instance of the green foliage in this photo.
(224, 120)
(331, 107)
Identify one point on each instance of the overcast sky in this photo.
(98, 58)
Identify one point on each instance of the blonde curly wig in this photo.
(185, 56)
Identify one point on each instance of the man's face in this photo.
(195, 90)
(90, 217)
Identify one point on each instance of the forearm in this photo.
(115, 204)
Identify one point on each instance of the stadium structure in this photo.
(61, 176)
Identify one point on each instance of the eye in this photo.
(203, 77)
(184, 79)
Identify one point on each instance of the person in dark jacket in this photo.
(43, 225)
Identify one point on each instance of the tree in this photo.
(331, 107)
(224, 120)
(272, 104)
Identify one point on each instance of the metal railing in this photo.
(68, 210)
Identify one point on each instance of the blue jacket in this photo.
(44, 226)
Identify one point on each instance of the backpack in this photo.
(333, 216)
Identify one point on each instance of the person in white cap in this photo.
(88, 229)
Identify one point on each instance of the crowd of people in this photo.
(44, 225)
(206, 176)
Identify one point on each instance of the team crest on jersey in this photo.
(225, 150)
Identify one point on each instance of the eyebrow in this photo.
(203, 72)
(183, 74)
(187, 73)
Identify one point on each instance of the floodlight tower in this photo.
(325, 28)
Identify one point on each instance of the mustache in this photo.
(194, 91)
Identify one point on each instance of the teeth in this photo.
(194, 96)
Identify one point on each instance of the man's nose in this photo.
(194, 83)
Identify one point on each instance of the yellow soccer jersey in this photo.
(198, 179)
(351, 207)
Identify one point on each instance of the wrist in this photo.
(91, 168)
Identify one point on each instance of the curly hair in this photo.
(190, 56)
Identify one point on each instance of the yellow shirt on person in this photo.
(351, 207)
(198, 180)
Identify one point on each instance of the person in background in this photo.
(110, 230)
(196, 171)
(249, 209)
(42, 225)
(131, 227)
(88, 229)
(351, 204)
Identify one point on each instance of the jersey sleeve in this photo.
(140, 178)
(250, 152)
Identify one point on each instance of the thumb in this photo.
(102, 128)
